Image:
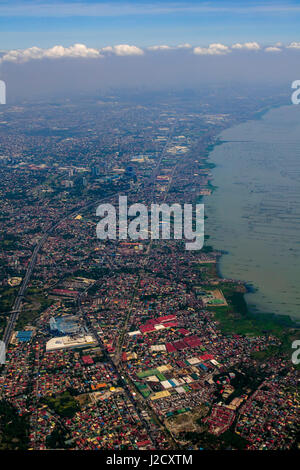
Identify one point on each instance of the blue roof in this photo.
(24, 335)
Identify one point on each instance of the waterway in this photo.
(254, 211)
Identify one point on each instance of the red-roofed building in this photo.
(170, 347)
(180, 345)
(147, 328)
(184, 332)
(206, 357)
(87, 360)
(170, 324)
(166, 318)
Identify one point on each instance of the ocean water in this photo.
(254, 212)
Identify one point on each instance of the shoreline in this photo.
(279, 319)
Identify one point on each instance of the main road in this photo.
(16, 308)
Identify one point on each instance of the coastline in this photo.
(273, 320)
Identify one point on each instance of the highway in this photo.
(18, 300)
(16, 308)
(151, 186)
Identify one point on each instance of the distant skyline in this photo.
(97, 24)
(69, 46)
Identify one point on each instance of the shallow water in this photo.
(254, 214)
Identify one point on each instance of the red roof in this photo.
(179, 345)
(143, 443)
(87, 360)
(170, 347)
(183, 331)
(206, 357)
(146, 328)
(192, 341)
(166, 318)
(170, 324)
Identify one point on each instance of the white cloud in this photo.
(107, 49)
(165, 47)
(294, 45)
(56, 52)
(161, 47)
(123, 49)
(250, 46)
(75, 51)
(82, 51)
(184, 46)
(212, 49)
(273, 49)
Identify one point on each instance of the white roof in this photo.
(193, 360)
(166, 384)
(133, 333)
(158, 347)
(69, 342)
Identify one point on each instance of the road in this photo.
(151, 185)
(18, 300)
(16, 308)
(118, 374)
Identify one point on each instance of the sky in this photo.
(59, 45)
(46, 23)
